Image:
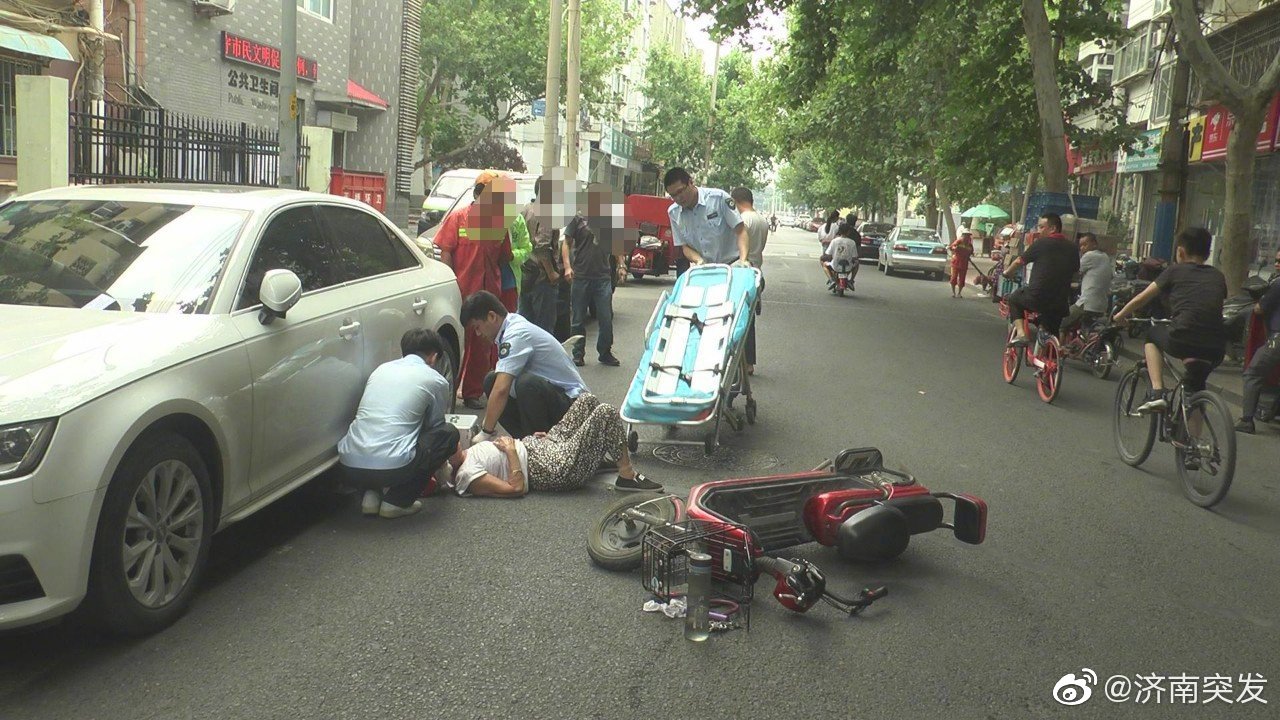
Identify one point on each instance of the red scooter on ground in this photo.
(852, 503)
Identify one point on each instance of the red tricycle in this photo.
(852, 503)
(655, 252)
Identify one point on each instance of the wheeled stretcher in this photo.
(692, 366)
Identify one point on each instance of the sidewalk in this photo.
(1226, 380)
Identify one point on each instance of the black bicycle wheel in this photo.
(1207, 463)
(1134, 434)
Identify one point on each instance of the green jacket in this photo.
(521, 247)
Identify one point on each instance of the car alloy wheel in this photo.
(163, 534)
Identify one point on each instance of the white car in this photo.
(913, 248)
(173, 360)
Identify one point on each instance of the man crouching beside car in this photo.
(399, 438)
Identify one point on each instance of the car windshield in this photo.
(918, 235)
(453, 186)
(876, 228)
(108, 255)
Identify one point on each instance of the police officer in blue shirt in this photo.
(705, 221)
(534, 383)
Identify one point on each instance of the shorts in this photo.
(1051, 312)
(1197, 374)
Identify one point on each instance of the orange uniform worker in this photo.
(475, 241)
(961, 250)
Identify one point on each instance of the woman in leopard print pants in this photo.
(567, 457)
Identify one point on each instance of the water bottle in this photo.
(697, 623)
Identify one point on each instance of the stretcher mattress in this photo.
(696, 333)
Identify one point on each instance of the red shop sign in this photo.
(257, 54)
(1218, 123)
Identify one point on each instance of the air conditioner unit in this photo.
(214, 8)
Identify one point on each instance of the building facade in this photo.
(220, 59)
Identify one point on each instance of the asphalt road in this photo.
(491, 609)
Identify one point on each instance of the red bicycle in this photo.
(1044, 354)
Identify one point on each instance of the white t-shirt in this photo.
(827, 232)
(484, 458)
(757, 236)
(842, 249)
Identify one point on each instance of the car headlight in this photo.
(22, 446)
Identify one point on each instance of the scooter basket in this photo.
(665, 565)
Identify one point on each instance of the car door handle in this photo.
(419, 305)
(350, 330)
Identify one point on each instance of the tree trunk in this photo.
(948, 220)
(931, 204)
(1236, 239)
(1053, 146)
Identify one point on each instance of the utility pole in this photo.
(287, 176)
(573, 88)
(551, 119)
(95, 58)
(711, 121)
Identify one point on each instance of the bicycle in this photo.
(1199, 427)
(1096, 344)
(1044, 354)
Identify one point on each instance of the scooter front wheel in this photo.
(616, 541)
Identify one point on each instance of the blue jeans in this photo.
(582, 292)
(538, 305)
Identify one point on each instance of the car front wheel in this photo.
(153, 537)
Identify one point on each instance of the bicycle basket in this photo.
(665, 565)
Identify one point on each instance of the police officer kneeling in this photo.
(534, 383)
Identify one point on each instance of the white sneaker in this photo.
(391, 512)
(372, 499)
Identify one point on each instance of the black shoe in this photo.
(474, 403)
(639, 484)
(610, 360)
(579, 361)
(1245, 425)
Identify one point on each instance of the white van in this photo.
(449, 187)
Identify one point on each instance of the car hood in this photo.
(53, 360)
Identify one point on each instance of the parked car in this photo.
(913, 248)
(524, 194)
(174, 359)
(873, 234)
(450, 186)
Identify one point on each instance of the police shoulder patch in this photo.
(504, 349)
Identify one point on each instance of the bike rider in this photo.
(1095, 285)
(1193, 293)
(1267, 358)
(1054, 261)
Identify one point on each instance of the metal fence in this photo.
(117, 143)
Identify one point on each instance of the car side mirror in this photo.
(280, 291)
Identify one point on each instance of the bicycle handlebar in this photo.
(1146, 321)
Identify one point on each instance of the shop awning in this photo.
(29, 43)
(364, 96)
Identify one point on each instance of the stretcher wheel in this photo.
(751, 411)
(633, 441)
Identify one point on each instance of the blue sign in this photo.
(540, 108)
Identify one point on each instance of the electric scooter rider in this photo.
(1267, 358)
(841, 256)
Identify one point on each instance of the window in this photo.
(1138, 54)
(58, 253)
(323, 8)
(9, 70)
(292, 241)
(364, 245)
(1162, 94)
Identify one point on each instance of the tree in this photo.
(491, 152)
(739, 154)
(483, 63)
(676, 119)
(1043, 51)
(1248, 103)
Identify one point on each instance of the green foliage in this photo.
(483, 63)
(677, 116)
(491, 152)
(870, 95)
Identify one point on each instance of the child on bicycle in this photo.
(841, 253)
(1193, 293)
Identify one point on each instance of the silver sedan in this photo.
(915, 249)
